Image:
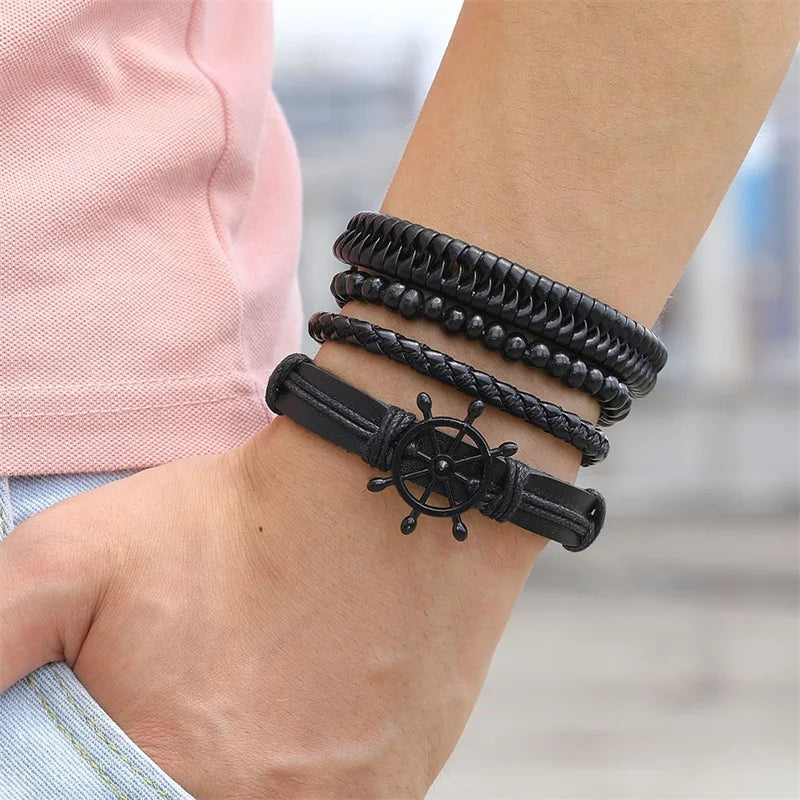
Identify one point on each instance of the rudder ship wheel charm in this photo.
(420, 459)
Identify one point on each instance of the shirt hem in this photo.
(127, 426)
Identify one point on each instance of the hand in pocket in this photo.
(251, 641)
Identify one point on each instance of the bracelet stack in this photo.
(419, 273)
(513, 344)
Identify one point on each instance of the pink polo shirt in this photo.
(149, 231)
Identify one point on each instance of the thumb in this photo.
(47, 596)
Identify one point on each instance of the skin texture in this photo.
(254, 620)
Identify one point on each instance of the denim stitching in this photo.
(93, 725)
(77, 745)
(5, 527)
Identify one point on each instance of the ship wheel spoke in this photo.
(435, 443)
(469, 459)
(427, 493)
(416, 474)
(463, 478)
(450, 494)
(456, 441)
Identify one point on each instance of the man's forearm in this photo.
(594, 139)
(593, 142)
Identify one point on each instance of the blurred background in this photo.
(663, 662)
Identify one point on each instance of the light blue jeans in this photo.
(56, 743)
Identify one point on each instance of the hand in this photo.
(251, 636)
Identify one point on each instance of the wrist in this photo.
(364, 374)
(362, 389)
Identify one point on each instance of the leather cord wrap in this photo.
(378, 439)
(379, 449)
(279, 376)
(501, 505)
(338, 412)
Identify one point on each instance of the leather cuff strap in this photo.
(506, 489)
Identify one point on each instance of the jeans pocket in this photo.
(56, 742)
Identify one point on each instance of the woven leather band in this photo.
(549, 417)
(361, 424)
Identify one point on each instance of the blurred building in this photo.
(720, 436)
(350, 125)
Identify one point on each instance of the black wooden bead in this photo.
(372, 289)
(594, 380)
(494, 337)
(410, 303)
(474, 327)
(559, 364)
(609, 389)
(338, 285)
(576, 374)
(353, 284)
(433, 308)
(455, 319)
(537, 355)
(514, 347)
(392, 295)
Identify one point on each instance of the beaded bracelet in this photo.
(549, 417)
(613, 396)
(485, 282)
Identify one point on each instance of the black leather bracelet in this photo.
(493, 275)
(514, 345)
(486, 282)
(443, 456)
(549, 417)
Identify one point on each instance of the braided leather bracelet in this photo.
(549, 417)
(442, 455)
(613, 396)
(486, 282)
